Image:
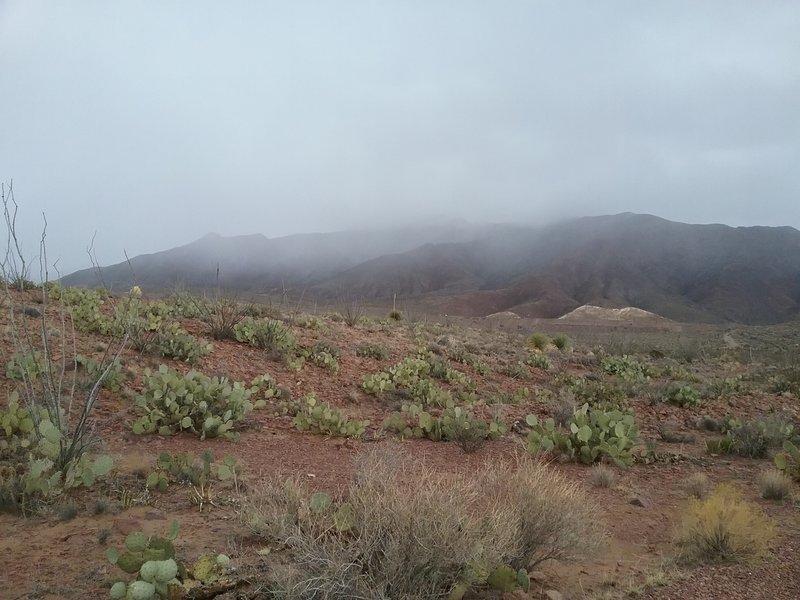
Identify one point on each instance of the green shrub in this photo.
(626, 367)
(591, 436)
(596, 393)
(396, 315)
(206, 406)
(188, 306)
(538, 341)
(723, 528)
(269, 334)
(517, 370)
(376, 351)
(561, 342)
(684, 396)
(753, 439)
(222, 316)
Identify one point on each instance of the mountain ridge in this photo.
(705, 273)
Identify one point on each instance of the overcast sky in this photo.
(153, 123)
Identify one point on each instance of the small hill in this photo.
(589, 313)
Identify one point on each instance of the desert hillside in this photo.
(698, 273)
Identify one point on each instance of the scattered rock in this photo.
(554, 595)
(640, 502)
(537, 576)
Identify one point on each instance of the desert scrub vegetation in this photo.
(774, 485)
(590, 436)
(158, 571)
(538, 341)
(318, 417)
(723, 527)
(438, 537)
(602, 476)
(754, 438)
(207, 406)
(376, 351)
(48, 425)
(454, 423)
(697, 485)
(269, 334)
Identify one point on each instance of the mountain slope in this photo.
(710, 273)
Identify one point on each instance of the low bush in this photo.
(270, 334)
(538, 341)
(723, 528)
(602, 476)
(408, 532)
(538, 361)
(376, 351)
(774, 485)
(697, 485)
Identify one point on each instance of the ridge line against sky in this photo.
(153, 124)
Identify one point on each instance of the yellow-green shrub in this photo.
(723, 528)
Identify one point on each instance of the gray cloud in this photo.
(153, 123)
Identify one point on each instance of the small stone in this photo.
(537, 576)
(554, 595)
(640, 502)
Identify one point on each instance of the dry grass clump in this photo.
(602, 476)
(774, 485)
(723, 528)
(406, 532)
(697, 485)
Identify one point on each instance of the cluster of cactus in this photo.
(25, 365)
(318, 417)
(454, 423)
(414, 374)
(597, 394)
(537, 360)
(188, 306)
(625, 367)
(788, 461)
(153, 561)
(186, 469)
(521, 394)
(207, 406)
(151, 328)
(429, 393)
(270, 334)
(307, 321)
(29, 453)
(516, 370)
(159, 572)
(728, 386)
(376, 351)
(378, 383)
(113, 378)
(684, 396)
(84, 306)
(591, 436)
(326, 360)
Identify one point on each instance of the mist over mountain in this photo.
(702, 273)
